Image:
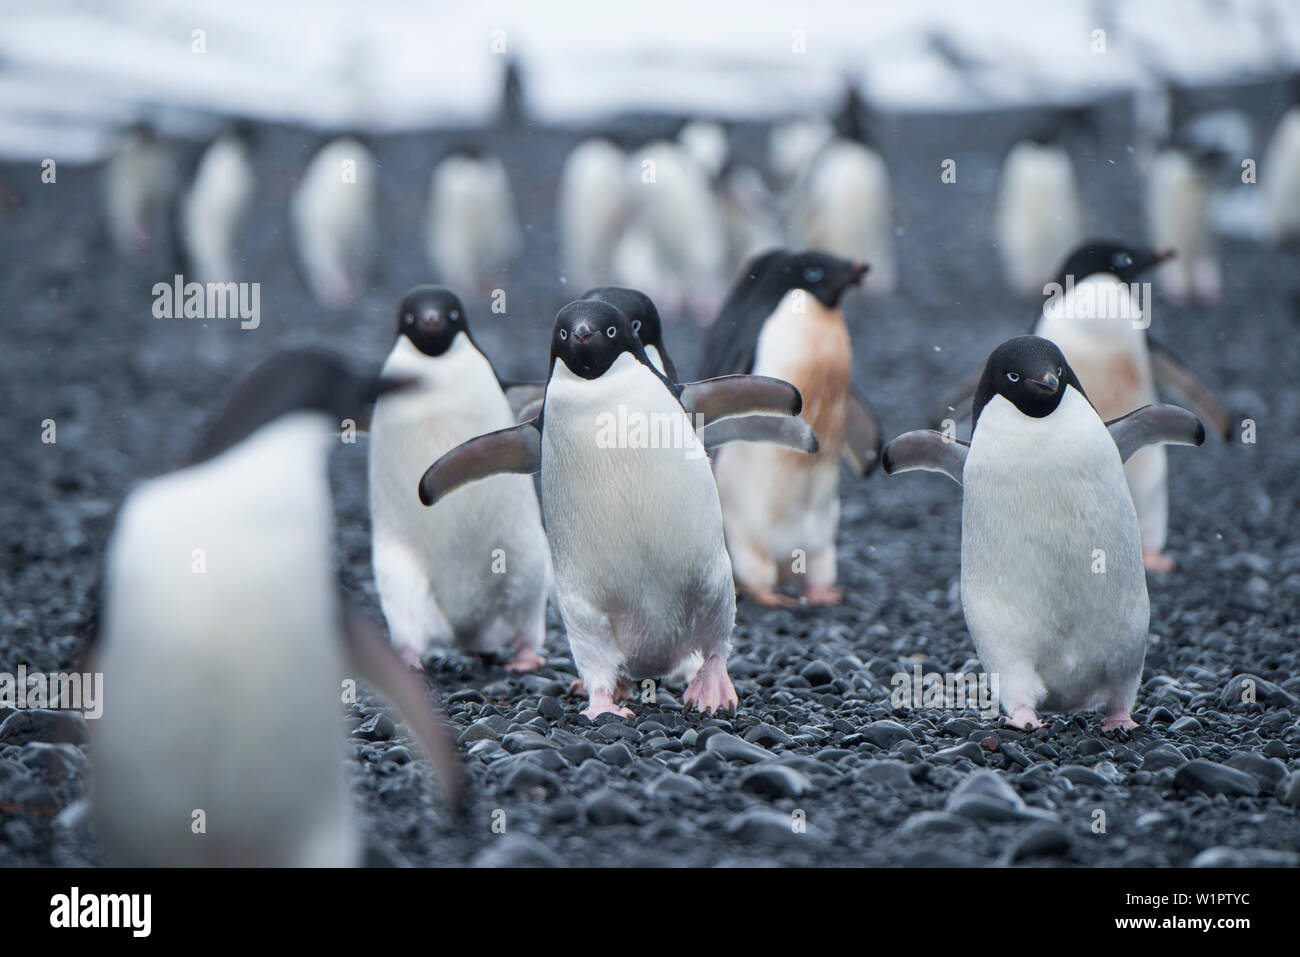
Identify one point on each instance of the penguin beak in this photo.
(1048, 382)
(431, 322)
(859, 271)
(583, 333)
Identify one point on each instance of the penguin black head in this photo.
(641, 313)
(1104, 256)
(826, 276)
(1029, 372)
(431, 316)
(289, 382)
(590, 335)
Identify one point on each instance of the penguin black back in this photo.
(733, 338)
(287, 382)
(1029, 372)
(641, 312)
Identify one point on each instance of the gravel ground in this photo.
(1204, 779)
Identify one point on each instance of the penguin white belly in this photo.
(1039, 216)
(473, 229)
(1280, 177)
(848, 211)
(1178, 217)
(214, 209)
(332, 218)
(1052, 581)
(781, 507)
(641, 568)
(1110, 358)
(684, 223)
(591, 209)
(473, 570)
(225, 666)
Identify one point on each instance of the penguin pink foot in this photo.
(411, 657)
(602, 702)
(711, 689)
(1024, 718)
(526, 658)
(823, 595)
(1157, 561)
(622, 690)
(771, 599)
(1118, 718)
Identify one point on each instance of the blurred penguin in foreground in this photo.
(228, 647)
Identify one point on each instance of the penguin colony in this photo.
(661, 498)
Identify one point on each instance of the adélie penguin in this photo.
(1052, 583)
(630, 505)
(783, 319)
(473, 573)
(223, 634)
(332, 215)
(473, 228)
(214, 207)
(138, 182)
(1097, 312)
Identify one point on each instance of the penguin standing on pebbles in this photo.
(473, 573)
(783, 319)
(473, 228)
(215, 205)
(223, 635)
(1052, 583)
(1097, 315)
(630, 504)
(332, 214)
(138, 182)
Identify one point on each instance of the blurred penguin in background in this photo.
(1279, 174)
(842, 203)
(473, 229)
(215, 205)
(1181, 182)
(749, 211)
(707, 143)
(138, 184)
(674, 246)
(332, 215)
(792, 144)
(1039, 215)
(592, 206)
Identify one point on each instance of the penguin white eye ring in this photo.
(636, 326)
(612, 331)
(408, 319)
(1013, 376)
(564, 334)
(813, 274)
(1121, 260)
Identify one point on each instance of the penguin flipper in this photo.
(863, 438)
(956, 402)
(522, 395)
(376, 662)
(729, 395)
(1172, 374)
(785, 430)
(926, 451)
(517, 449)
(1155, 425)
